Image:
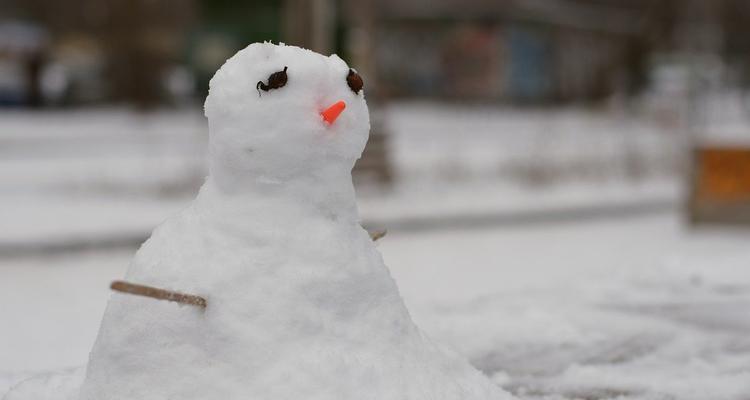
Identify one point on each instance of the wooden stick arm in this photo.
(156, 293)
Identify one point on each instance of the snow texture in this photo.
(636, 308)
(62, 385)
(300, 304)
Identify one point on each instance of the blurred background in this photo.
(565, 183)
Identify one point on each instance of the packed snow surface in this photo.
(300, 304)
(636, 308)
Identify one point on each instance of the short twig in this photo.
(375, 235)
(156, 293)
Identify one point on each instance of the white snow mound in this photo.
(300, 303)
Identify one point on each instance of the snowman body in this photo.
(300, 303)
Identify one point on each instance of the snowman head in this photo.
(280, 113)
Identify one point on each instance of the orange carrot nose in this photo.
(331, 113)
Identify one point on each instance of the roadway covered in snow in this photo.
(627, 305)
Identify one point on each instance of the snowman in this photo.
(295, 301)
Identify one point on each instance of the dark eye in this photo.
(354, 81)
(275, 81)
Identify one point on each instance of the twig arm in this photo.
(375, 235)
(156, 293)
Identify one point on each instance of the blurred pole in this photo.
(309, 24)
(33, 65)
(360, 44)
(362, 18)
(701, 38)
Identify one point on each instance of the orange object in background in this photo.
(723, 174)
(721, 185)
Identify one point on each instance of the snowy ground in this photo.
(544, 245)
(637, 308)
(98, 175)
(621, 308)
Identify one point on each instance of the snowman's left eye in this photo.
(354, 81)
(275, 80)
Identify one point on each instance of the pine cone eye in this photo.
(275, 80)
(354, 81)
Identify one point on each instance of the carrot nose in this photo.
(331, 113)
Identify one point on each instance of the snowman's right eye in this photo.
(275, 80)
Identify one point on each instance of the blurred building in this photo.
(22, 47)
(542, 51)
(149, 52)
(114, 50)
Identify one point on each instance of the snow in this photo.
(299, 300)
(58, 218)
(527, 146)
(110, 173)
(633, 306)
(56, 308)
(666, 319)
(101, 150)
(572, 319)
(59, 385)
